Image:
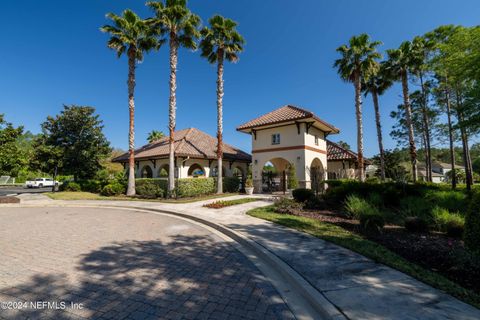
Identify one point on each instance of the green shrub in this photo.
(149, 189)
(231, 184)
(113, 189)
(450, 223)
(471, 235)
(416, 224)
(356, 206)
(453, 201)
(413, 206)
(287, 206)
(71, 186)
(316, 203)
(372, 222)
(94, 186)
(292, 180)
(189, 187)
(302, 194)
(162, 184)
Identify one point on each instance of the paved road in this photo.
(20, 190)
(121, 264)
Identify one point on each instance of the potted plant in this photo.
(249, 186)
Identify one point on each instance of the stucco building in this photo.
(289, 136)
(195, 156)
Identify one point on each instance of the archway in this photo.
(163, 171)
(146, 172)
(274, 175)
(317, 175)
(238, 172)
(196, 170)
(215, 171)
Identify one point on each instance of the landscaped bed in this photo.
(227, 203)
(423, 249)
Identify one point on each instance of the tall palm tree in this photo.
(399, 64)
(155, 135)
(356, 65)
(180, 25)
(376, 85)
(220, 42)
(131, 35)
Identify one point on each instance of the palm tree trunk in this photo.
(172, 111)
(408, 114)
(450, 136)
(426, 125)
(358, 112)
(220, 121)
(131, 131)
(379, 134)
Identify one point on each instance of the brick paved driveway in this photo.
(122, 264)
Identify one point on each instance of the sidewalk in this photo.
(355, 285)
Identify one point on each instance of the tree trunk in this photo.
(466, 149)
(220, 120)
(379, 133)
(172, 111)
(358, 112)
(408, 115)
(426, 125)
(450, 136)
(131, 132)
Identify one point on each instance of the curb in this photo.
(315, 300)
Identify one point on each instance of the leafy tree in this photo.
(12, 159)
(72, 143)
(394, 168)
(130, 34)
(399, 64)
(175, 20)
(377, 85)
(220, 42)
(155, 135)
(292, 177)
(343, 144)
(356, 65)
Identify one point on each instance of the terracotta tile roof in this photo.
(189, 142)
(336, 152)
(284, 114)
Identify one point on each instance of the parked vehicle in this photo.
(40, 183)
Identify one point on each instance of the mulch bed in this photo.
(433, 251)
(9, 200)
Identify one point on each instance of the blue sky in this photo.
(53, 54)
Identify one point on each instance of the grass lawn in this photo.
(227, 203)
(70, 195)
(367, 248)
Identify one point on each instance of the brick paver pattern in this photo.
(121, 264)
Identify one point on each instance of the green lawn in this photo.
(70, 195)
(227, 203)
(367, 248)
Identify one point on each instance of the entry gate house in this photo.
(289, 135)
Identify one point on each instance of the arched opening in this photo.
(196, 170)
(215, 171)
(274, 175)
(146, 172)
(317, 176)
(238, 172)
(163, 171)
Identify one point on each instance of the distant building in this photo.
(439, 171)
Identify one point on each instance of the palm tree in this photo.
(376, 85)
(220, 42)
(133, 36)
(174, 19)
(399, 64)
(155, 135)
(357, 64)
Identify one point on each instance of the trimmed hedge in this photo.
(113, 189)
(162, 184)
(231, 184)
(149, 189)
(192, 187)
(302, 194)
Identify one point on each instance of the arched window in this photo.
(196, 170)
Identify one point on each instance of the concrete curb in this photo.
(317, 302)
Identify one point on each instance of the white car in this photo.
(40, 183)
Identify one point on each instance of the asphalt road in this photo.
(19, 190)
